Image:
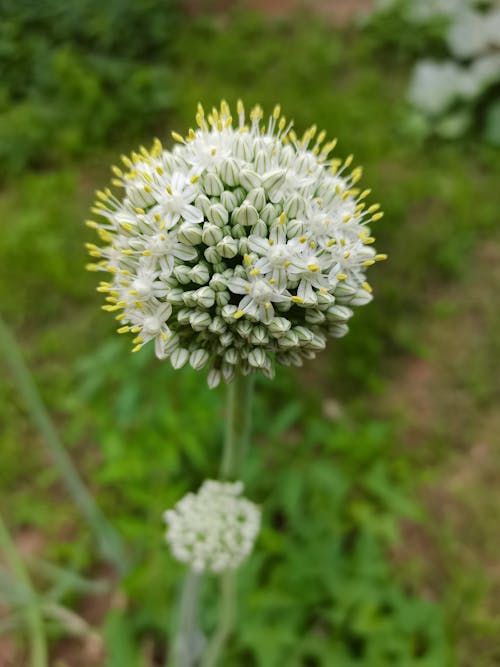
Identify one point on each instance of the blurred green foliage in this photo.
(321, 588)
(75, 75)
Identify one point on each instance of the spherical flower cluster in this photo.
(214, 529)
(241, 246)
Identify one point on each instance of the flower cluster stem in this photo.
(227, 613)
(189, 642)
(238, 425)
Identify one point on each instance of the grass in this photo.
(393, 422)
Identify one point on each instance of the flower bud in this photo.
(179, 357)
(228, 247)
(211, 234)
(229, 171)
(257, 198)
(214, 377)
(228, 200)
(200, 274)
(218, 215)
(212, 184)
(189, 234)
(338, 330)
(175, 296)
(314, 316)
(245, 215)
(279, 326)
(199, 320)
(205, 297)
(182, 273)
(257, 357)
(198, 358)
(249, 179)
(203, 203)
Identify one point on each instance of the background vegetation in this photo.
(377, 466)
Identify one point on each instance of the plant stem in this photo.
(238, 425)
(226, 620)
(189, 644)
(110, 542)
(32, 612)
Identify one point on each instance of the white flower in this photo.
(435, 86)
(213, 530)
(227, 250)
(468, 35)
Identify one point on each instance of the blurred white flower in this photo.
(468, 35)
(435, 86)
(213, 530)
(241, 224)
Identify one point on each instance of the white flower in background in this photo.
(232, 248)
(468, 35)
(213, 530)
(435, 86)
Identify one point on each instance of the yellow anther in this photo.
(159, 170)
(255, 272)
(239, 107)
(366, 286)
(282, 219)
(381, 257)
(135, 329)
(364, 194)
(347, 254)
(91, 224)
(195, 179)
(116, 170)
(331, 242)
(136, 348)
(247, 260)
(140, 211)
(377, 216)
(120, 316)
(213, 151)
(369, 262)
(164, 335)
(348, 160)
(312, 244)
(341, 276)
(238, 314)
(276, 112)
(123, 330)
(302, 239)
(287, 263)
(313, 267)
(168, 189)
(297, 299)
(177, 137)
(148, 189)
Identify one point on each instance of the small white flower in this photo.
(226, 248)
(215, 529)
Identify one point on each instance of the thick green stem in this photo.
(238, 424)
(34, 621)
(227, 612)
(110, 542)
(189, 644)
